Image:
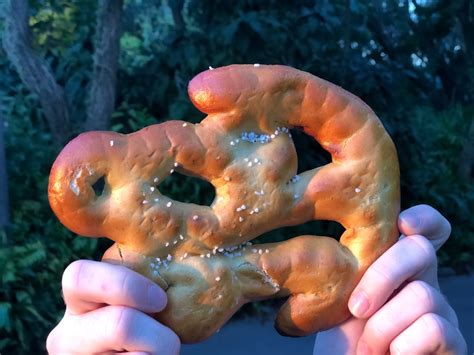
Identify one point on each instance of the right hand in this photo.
(106, 312)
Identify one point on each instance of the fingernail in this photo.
(358, 304)
(363, 348)
(156, 297)
(410, 219)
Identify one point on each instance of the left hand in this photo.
(397, 306)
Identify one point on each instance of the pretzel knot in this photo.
(202, 255)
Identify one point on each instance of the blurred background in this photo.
(77, 65)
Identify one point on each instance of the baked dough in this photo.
(202, 255)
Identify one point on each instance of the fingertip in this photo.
(359, 303)
(409, 220)
(427, 221)
(157, 298)
(75, 277)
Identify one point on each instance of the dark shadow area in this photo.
(99, 186)
(310, 153)
(318, 228)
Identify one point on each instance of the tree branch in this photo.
(176, 9)
(466, 161)
(33, 70)
(101, 102)
(347, 40)
(4, 203)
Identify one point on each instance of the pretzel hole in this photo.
(310, 153)
(99, 186)
(188, 189)
(331, 229)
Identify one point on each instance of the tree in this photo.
(36, 74)
(4, 203)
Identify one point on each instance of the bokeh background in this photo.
(71, 66)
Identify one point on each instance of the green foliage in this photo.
(430, 144)
(37, 248)
(414, 67)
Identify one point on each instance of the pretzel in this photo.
(202, 255)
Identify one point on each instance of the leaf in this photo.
(5, 316)
(129, 42)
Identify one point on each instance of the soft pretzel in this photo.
(202, 255)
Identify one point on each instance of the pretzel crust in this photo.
(201, 255)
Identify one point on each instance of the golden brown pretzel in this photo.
(201, 255)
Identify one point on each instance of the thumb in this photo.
(426, 221)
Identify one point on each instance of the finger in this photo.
(429, 334)
(387, 274)
(341, 339)
(112, 329)
(426, 221)
(128, 353)
(412, 302)
(88, 285)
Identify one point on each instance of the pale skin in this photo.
(397, 307)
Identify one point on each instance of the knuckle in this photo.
(71, 276)
(400, 347)
(379, 273)
(126, 282)
(435, 219)
(434, 223)
(447, 224)
(170, 341)
(428, 252)
(56, 338)
(452, 316)
(51, 341)
(423, 292)
(121, 322)
(376, 328)
(434, 325)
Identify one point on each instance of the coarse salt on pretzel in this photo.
(202, 255)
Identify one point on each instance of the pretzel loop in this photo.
(202, 255)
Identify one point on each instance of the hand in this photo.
(106, 308)
(397, 306)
